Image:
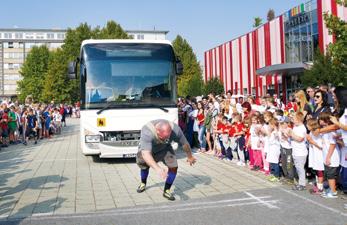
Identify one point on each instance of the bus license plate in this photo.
(133, 155)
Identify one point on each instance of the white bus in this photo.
(124, 85)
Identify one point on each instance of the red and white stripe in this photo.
(330, 7)
(235, 62)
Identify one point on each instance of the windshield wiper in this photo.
(106, 107)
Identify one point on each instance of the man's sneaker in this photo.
(24, 143)
(35, 142)
(141, 188)
(168, 195)
(330, 195)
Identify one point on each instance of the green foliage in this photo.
(74, 38)
(190, 82)
(323, 71)
(33, 72)
(331, 68)
(57, 85)
(338, 50)
(112, 30)
(213, 86)
(257, 22)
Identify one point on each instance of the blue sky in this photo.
(204, 24)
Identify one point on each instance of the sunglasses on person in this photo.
(317, 96)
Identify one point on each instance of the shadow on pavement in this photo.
(8, 199)
(46, 207)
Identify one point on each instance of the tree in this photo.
(57, 85)
(213, 86)
(74, 38)
(33, 71)
(338, 49)
(270, 15)
(332, 67)
(257, 22)
(190, 82)
(323, 71)
(112, 30)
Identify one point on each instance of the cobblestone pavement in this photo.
(54, 177)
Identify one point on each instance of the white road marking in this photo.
(292, 193)
(169, 208)
(261, 201)
(313, 202)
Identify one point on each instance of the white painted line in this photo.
(189, 204)
(261, 201)
(166, 208)
(315, 203)
(42, 214)
(292, 193)
(252, 203)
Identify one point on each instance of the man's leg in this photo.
(171, 175)
(143, 172)
(144, 175)
(170, 161)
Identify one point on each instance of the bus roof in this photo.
(97, 41)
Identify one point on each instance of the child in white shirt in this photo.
(315, 157)
(300, 152)
(286, 149)
(274, 151)
(331, 156)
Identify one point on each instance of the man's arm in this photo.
(148, 158)
(187, 150)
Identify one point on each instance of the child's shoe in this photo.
(330, 194)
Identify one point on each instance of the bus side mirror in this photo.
(72, 70)
(179, 67)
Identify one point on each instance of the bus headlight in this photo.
(92, 138)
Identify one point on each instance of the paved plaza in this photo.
(54, 178)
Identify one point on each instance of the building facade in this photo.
(271, 58)
(147, 35)
(15, 44)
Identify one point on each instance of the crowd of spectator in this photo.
(21, 123)
(295, 142)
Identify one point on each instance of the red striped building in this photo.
(271, 58)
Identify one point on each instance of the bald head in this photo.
(163, 129)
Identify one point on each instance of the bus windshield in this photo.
(128, 74)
